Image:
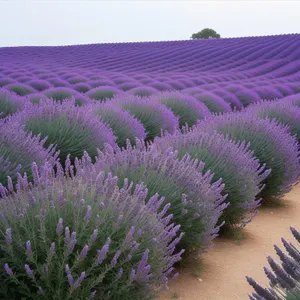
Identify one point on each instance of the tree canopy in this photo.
(205, 33)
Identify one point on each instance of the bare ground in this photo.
(229, 261)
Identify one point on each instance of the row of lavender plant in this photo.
(175, 166)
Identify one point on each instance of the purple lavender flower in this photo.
(123, 124)
(88, 215)
(241, 173)
(168, 176)
(52, 248)
(83, 252)
(72, 243)
(102, 254)
(78, 282)
(59, 228)
(76, 128)
(19, 150)
(8, 270)
(187, 108)
(115, 258)
(67, 235)
(28, 249)
(28, 270)
(94, 236)
(153, 115)
(264, 137)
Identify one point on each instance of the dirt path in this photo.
(228, 262)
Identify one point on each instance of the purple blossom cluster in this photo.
(73, 129)
(270, 142)
(195, 202)
(107, 241)
(18, 150)
(241, 173)
(283, 278)
(108, 222)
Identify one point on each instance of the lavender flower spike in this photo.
(83, 253)
(88, 214)
(28, 270)
(59, 228)
(103, 252)
(79, 280)
(8, 270)
(8, 236)
(28, 249)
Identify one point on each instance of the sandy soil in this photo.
(228, 262)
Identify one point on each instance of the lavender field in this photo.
(117, 161)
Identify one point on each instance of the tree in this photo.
(205, 33)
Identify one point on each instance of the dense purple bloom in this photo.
(176, 180)
(186, 107)
(153, 115)
(8, 270)
(123, 124)
(103, 93)
(213, 102)
(10, 103)
(283, 111)
(19, 149)
(233, 162)
(271, 143)
(143, 91)
(73, 129)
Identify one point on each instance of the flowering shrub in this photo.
(19, 149)
(143, 91)
(73, 129)
(196, 204)
(153, 115)
(102, 93)
(57, 82)
(123, 125)
(247, 96)
(271, 143)
(186, 107)
(19, 89)
(9, 103)
(5, 81)
(81, 87)
(283, 111)
(213, 102)
(39, 85)
(59, 93)
(234, 102)
(285, 278)
(268, 92)
(83, 237)
(233, 162)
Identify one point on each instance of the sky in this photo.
(68, 22)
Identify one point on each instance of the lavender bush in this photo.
(196, 204)
(153, 115)
(186, 107)
(102, 93)
(213, 102)
(19, 149)
(9, 103)
(123, 125)
(233, 162)
(283, 111)
(271, 143)
(143, 91)
(73, 129)
(81, 237)
(19, 89)
(284, 278)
